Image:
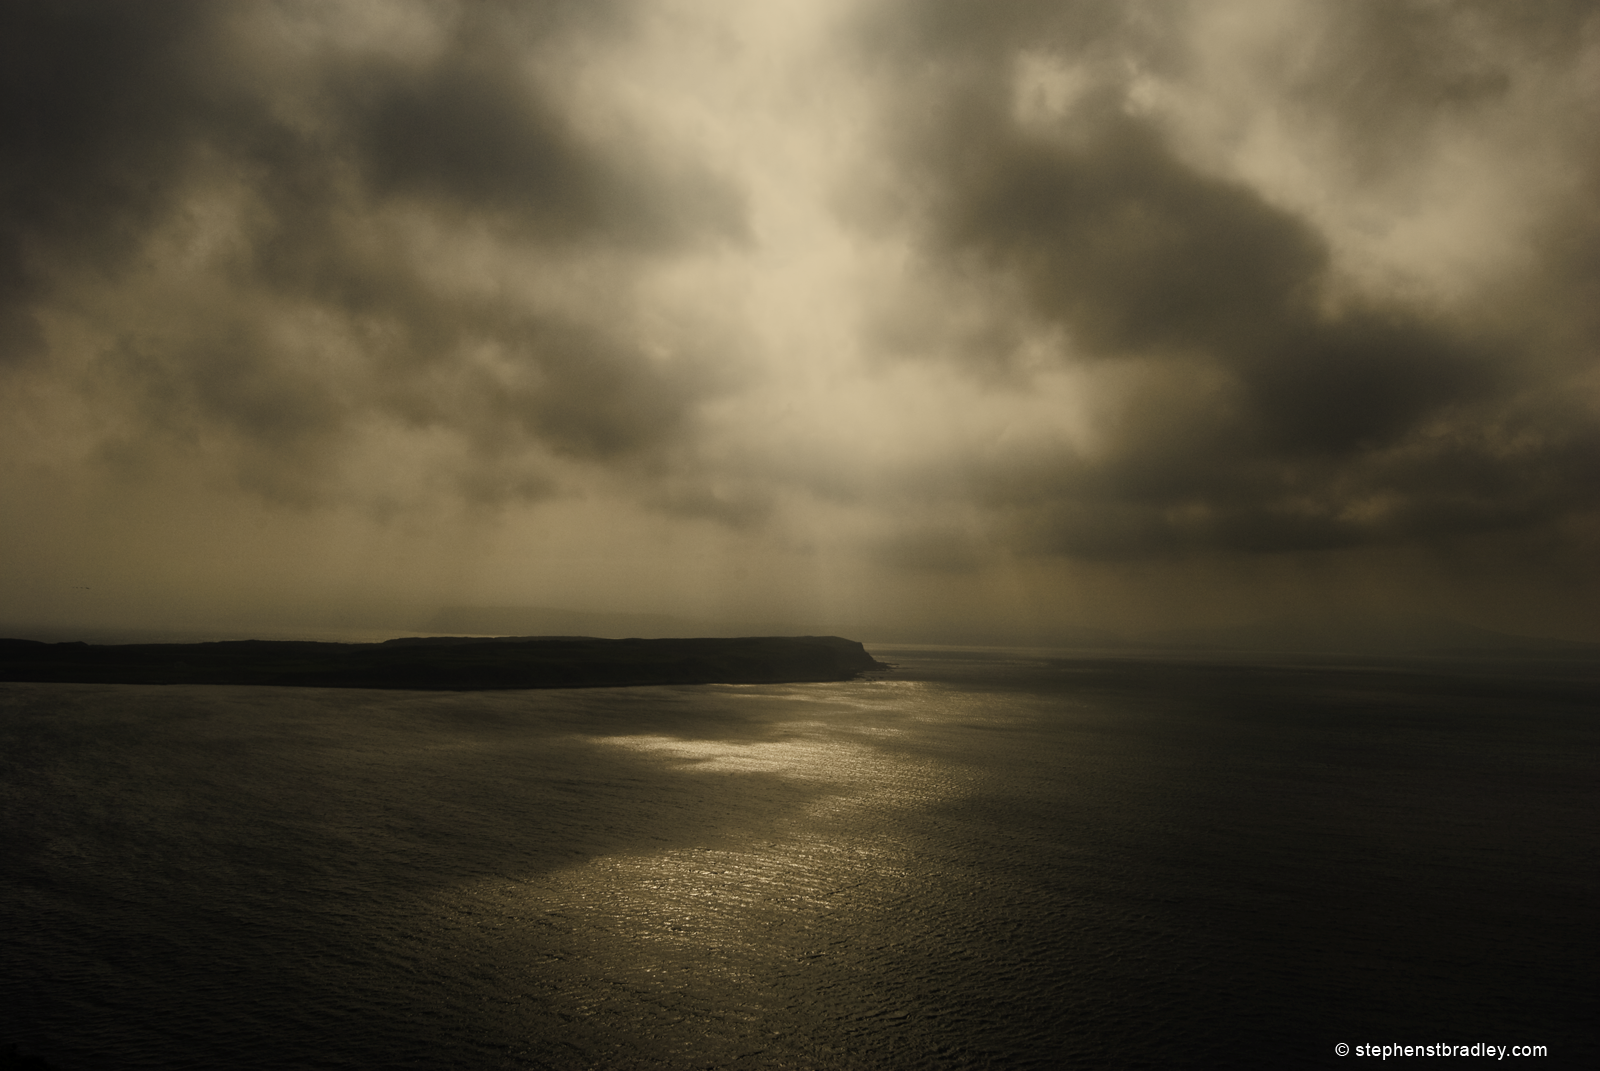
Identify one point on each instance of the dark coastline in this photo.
(443, 663)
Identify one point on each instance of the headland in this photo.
(454, 663)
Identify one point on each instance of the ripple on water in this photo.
(983, 867)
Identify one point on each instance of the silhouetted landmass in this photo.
(449, 663)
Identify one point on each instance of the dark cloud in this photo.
(1388, 76)
(1287, 411)
(92, 116)
(474, 128)
(122, 122)
(1019, 292)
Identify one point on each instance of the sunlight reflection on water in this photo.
(810, 760)
(999, 862)
(749, 942)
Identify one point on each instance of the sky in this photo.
(877, 317)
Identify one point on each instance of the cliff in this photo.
(457, 663)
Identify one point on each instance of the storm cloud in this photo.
(268, 181)
(1283, 402)
(958, 308)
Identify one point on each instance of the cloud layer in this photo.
(1287, 396)
(935, 286)
(291, 226)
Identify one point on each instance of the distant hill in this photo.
(450, 663)
(1386, 634)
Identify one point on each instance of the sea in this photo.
(978, 858)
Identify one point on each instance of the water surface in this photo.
(983, 858)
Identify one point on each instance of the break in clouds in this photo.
(936, 281)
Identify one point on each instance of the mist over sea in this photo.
(982, 858)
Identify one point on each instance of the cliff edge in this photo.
(447, 663)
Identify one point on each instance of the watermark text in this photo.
(1442, 1048)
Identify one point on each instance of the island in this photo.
(451, 663)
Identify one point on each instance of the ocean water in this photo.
(1000, 859)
